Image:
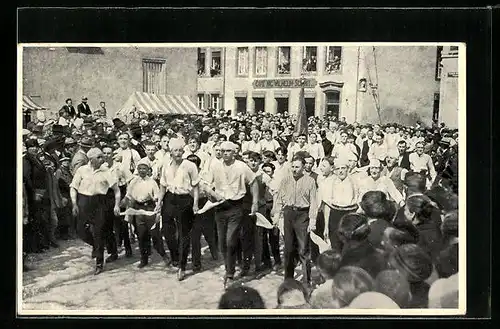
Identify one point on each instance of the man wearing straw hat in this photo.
(88, 196)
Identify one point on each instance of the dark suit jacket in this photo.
(364, 154)
(327, 147)
(71, 110)
(84, 108)
(405, 161)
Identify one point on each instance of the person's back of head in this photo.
(412, 261)
(414, 183)
(375, 205)
(292, 294)
(353, 227)
(373, 300)
(329, 263)
(394, 285)
(241, 297)
(348, 283)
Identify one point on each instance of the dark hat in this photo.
(87, 142)
(119, 124)
(54, 143)
(57, 130)
(31, 143)
(134, 126)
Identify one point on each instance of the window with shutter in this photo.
(154, 76)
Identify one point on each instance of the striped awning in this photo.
(30, 104)
(159, 104)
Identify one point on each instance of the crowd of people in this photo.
(382, 197)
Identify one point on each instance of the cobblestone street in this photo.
(62, 279)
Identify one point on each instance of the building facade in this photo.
(109, 74)
(364, 84)
(449, 89)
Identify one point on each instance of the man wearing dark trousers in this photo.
(142, 194)
(297, 198)
(229, 178)
(88, 196)
(178, 201)
(203, 223)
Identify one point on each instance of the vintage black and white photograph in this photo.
(211, 178)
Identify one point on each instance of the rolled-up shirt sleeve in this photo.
(313, 201)
(193, 174)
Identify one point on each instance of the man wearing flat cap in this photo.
(88, 196)
(230, 177)
(83, 108)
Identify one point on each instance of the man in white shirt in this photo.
(281, 165)
(339, 198)
(88, 196)
(417, 137)
(163, 154)
(254, 144)
(316, 149)
(193, 147)
(301, 145)
(142, 194)
(378, 150)
(64, 118)
(422, 163)
(376, 182)
(229, 177)
(128, 159)
(269, 143)
(342, 147)
(333, 134)
(178, 201)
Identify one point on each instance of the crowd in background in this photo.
(393, 243)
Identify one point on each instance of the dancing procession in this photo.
(347, 214)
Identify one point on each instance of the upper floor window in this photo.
(260, 61)
(283, 60)
(215, 101)
(215, 68)
(243, 59)
(201, 61)
(333, 59)
(154, 76)
(309, 56)
(439, 63)
(201, 101)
